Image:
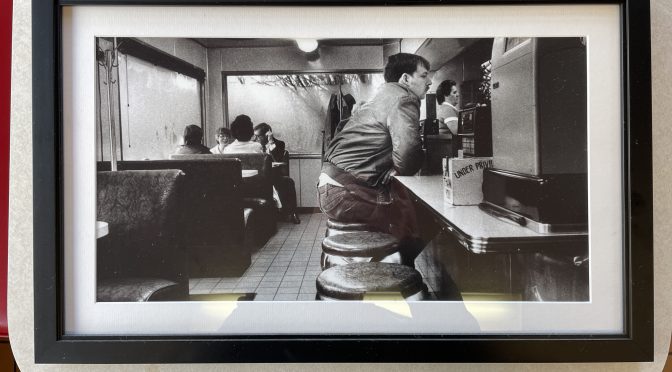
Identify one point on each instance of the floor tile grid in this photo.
(277, 279)
(286, 267)
(307, 255)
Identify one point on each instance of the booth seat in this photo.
(211, 220)
(141, 259)
(257, 191)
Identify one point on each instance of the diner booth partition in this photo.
(257, 193)
(141, 258)
(210, 217)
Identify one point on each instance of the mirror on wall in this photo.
(297, 106)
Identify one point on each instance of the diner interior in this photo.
(501, 199)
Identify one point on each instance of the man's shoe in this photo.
(294, 218)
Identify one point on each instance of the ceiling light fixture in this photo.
(307, 45)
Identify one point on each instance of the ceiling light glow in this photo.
(307, 45)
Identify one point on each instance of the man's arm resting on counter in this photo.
(404, 125)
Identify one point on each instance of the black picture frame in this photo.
(53, 346)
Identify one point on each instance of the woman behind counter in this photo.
(447, 98)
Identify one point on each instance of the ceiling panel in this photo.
(267, 43)
(440, 51)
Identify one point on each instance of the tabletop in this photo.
(247, 173)
(102, 229)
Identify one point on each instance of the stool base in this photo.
(419, 296)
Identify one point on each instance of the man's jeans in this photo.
(349, 204)
(388, 212)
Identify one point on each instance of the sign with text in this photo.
(463, 179)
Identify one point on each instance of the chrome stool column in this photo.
(359, 246)
(339, 227)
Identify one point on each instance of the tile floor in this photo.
(285, 268)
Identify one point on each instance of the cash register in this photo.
(473, 137)
(474, 131)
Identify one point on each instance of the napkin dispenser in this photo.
(462, 179)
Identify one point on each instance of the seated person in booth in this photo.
(223, 139)
(446, 111)
(243, 131)
(271, 145)
(381, 139)
(283, 184)
(193, 141)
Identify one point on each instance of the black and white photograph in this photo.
(314, 178)
(341, 184)
(341, 169)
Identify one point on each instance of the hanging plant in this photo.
(304, 80)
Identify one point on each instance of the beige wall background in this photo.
(20, 301)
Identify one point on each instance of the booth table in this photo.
(102, 229)
(248, 173)
(490, 257)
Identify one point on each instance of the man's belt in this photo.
(363, 190)
(342, 176)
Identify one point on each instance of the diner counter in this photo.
(503, 261)
(479, 231)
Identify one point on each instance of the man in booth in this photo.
(263, 133)
(381, 139)
(193, 141)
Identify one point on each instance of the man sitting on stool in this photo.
(283, 184)
(381, 139)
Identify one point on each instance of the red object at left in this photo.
(5, 75)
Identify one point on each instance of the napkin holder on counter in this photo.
(463, 179)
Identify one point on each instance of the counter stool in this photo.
(353, 281)
(359, 246)
(339, 227)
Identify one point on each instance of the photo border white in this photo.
(599, 23)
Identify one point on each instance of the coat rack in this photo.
(111, 61)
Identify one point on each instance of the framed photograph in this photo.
(318, 182)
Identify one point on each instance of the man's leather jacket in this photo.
(381, 137)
